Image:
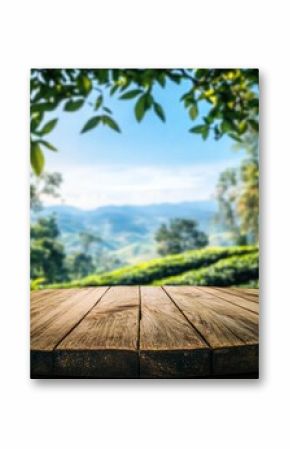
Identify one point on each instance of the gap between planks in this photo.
(81, 319)
(139, 318)
(186, 318)
(219, 294)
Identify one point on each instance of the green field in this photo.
(223, 266)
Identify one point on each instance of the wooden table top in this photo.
(144, 331)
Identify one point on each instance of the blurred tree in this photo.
(106, 261)
(248, 199)
(87, 239)
(226, 194)
(45, 184)
(237, 194)
(80, 264)
(47, 254)
(178, 236)
(232, 96)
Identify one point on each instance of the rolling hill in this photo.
(127, 232)
(236, 265)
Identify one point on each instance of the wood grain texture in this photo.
(39, 294)
(105, 343)
(252, 291)
(169, 345)
(55, 302)
(149, 332)
(54, 319)
(223, 325)
(245, 293)
(232, 298)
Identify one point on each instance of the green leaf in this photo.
(99, 102)
(35, 121)
(140, 108)
(159, 111)
(197, 129)
(201, 129)
(47, 145)
(188, 95)
(161, 79)
(148, 101)
(113, 89)
(227, 126)
(254, 103)
(48, 127)
(43, 107)
(235, 137)
(130, 94)
(174, 77)
(107, 110)
(254, 125)
(125, 84)
(193, 111)
(92, 123)
(205, 132)
(73, 105)
(36, 158)
(242, 128)
(111, 123)
(85, 84)
(199, 73)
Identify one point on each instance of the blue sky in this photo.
(147, 163)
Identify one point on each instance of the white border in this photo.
(73, 414)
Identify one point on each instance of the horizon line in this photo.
(209, 200)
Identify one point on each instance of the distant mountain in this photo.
(127, 231)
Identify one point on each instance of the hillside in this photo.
(210, 266)
(127, 232)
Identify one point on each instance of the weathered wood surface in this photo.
(233, 298)
(251, 294)
(230, 329)
(169, 345)
(105, 343)
(148, 332)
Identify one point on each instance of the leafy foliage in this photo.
(80, 265)
(83, 262)
(45, 184)
(238, 195)
(178, 236)
(230, 93)
(159, 269)
(230, 271)
(36, 158)
(35, 284)
(47, 254)
(87, 239)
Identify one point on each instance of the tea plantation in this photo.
(221, 266)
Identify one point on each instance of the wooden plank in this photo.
(39, 294)
(169, 345)
(253, 291)
(105, 343)
(184, 332)
(244, 293)
(49, 300)
(37, 298)
(228, 296)
(54, 322)
(231, 331)
(45, 312)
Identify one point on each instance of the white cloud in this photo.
(88, 186)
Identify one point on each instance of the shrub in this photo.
(230, 271)
(159, 269)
